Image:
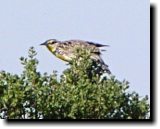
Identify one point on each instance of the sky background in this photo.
(122, 24)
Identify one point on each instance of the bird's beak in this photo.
(43, 43)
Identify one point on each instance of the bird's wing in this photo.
(67, 49)
(94, 48)
(85, 43)
(97, 44)
(70, 45)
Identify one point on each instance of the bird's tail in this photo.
(100, 62)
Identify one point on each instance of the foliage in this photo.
(81, 93)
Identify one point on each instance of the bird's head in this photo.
(51, 44)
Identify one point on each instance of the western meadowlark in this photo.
(65, 50)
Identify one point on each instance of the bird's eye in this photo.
(50, 42)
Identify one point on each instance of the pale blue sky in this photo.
(122, 24)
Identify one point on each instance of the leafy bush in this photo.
(81, 93)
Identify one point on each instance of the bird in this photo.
(65, 50)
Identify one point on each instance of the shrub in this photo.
(81, 93)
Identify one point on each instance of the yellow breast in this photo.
(63, 57)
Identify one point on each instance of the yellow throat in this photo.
(51, 48)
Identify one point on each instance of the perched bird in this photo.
(65, 50)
